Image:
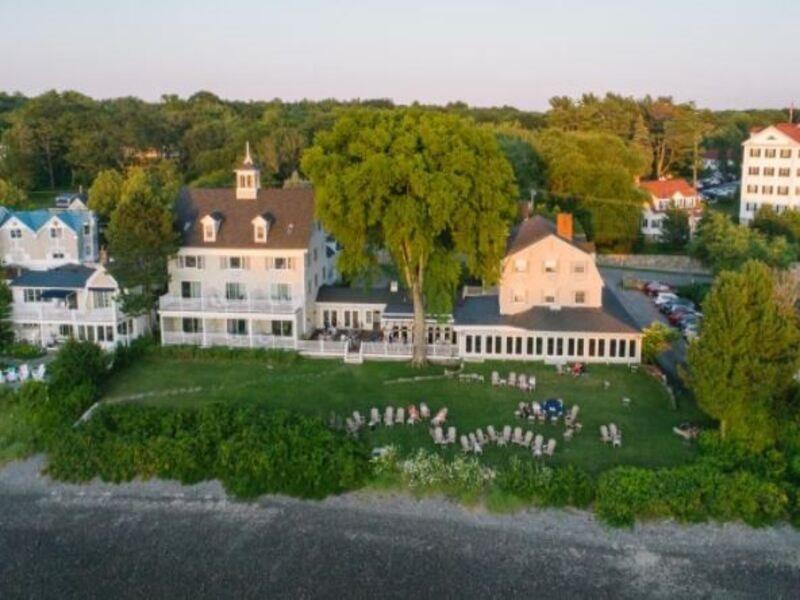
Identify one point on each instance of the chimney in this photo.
(524, 209)
(103, 256)
(564, 225)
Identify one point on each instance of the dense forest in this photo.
(584, 152)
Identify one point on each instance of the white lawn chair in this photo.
(413, 415)
(424, 411)
(537, 445)
(39, 372)
(612, 430)
(512, 379)
(616, 442)
(352, 428)
(440, 417)
(438, 436)
(536, 408)
(522, 383)
(388, 416)
(451, 435)
(491, 433)
(481, 437)
(477, 448)
(472, 439)
(495, 378)
(568, 433)
(2, 377)
(357, 418)
(573, 415)
(374, 418)
(551, 447)
(520, 412)
(532, 383)
(24, 372)
(518, 436)
(465, 446)
(528, 439)
(400, 416)
(506, 434)
(604, 434)
(11, 375)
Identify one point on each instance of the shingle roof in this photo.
(535, 229)
(610, 318)
(666, 188)
(291, 209)
(791, 130)
(356, 294)
(67, 276)
(36, 219)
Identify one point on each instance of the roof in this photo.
(65, 277)
(667, 188)
(610, 318)
(791, 130)
(36, 219)
(535, 229)
(343, 294)
(292, 211)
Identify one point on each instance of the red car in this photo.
(678, 313)
(652, 288)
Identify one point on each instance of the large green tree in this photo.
(10, 195)
(105, 192)
(675, 229)
(742, 366)
(141, 239)
(6, 327)
(431, 189)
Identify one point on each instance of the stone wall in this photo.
(673, 263)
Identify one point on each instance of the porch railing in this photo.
(216, 304)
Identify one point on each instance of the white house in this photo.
(77, 301)
(249, 267)
(42, 239)
(770, 170)
(666, 194)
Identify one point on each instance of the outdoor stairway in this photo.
(353, 358)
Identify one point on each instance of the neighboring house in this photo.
(713, 161)
(666, 194)
(72, 201)
(46, 238)
(77, 301)
(770, 170)
(249, 267)
(551, 305)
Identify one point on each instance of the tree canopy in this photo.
(741, 368)
(430, 189)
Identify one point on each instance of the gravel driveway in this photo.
(162, 540)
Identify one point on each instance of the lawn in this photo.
(318, 387)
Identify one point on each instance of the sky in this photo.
(718, 53)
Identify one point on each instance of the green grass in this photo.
(16, 433)
(318, 387)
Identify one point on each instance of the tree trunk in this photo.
(418, 327)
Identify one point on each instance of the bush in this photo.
(252, 451)
(625, 493)
(25, 351)
(275, 357)
(546, 486)
(696, 292)
(461, 477)
(78, 364)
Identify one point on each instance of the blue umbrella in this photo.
(553, 406)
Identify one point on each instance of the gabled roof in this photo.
(667, 188)
(537, 228)
(36, 219)
(64, 277)
(292, 211)
(791, 130)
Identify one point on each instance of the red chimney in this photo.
(524, 209)
(564, 225)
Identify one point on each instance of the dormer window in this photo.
(261, 228)
(209, 233)
(210, 224)
(261, 233)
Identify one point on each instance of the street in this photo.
(162, 540)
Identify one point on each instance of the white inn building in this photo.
(249, 267)
(664, 195)
(770, 170)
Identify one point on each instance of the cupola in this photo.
(248, 177)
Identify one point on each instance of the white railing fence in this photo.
(217, 304)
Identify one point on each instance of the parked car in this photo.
(671, 305)
(653, 288)
(664, 297)
(678, 313)
(691, 333)
(691, 319)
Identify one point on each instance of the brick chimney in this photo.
(564, 225)
(524, 209)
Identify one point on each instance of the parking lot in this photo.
(644, 312)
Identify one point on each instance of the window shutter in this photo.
(201, 262)
(223, 262)
(180, 262)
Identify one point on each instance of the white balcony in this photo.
(214, 304)
(43, 312)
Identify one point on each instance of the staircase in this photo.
(353, 357)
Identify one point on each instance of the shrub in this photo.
(461, 476)
(275, 357)
(78, 364)
(624, 493)
(25, 351)
(546, 486)
(252, 451)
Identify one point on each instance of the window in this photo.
(469, 344)
(519, 297)
(601, 347)
(549, 298)
(520, 265)
(261, 233)
(57, 255)
(612, 348)
(190, 325)
(769, 153)
(15, 234)
(579, 268)
(478, 340)
(783, 190)
(101, 298)
(281, 263)
(509, 345)
(752, 189)
(55, 232)
(518, 346)
(571, 347)
(622, 348)
(498, 344)
(755, 152)
(784, 172)
(489, 344)
(32, 295)
(65, 330)
(786, 153)
(767, 189)
(281, 292)
(235, 291)
(550, 346)
(769, 171)
(315, 255)
(282, 328)
(560, 346)
(237, 327)
(235, 262)
(592, 346)
(753, 170)
(632, 349)
(580, 297)
(191, 262)
(101, 333)
(87, 229)
(580, 347)
(190, 289)
(529, 346)
(209, 232)
(549, 266)
(539, 345)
